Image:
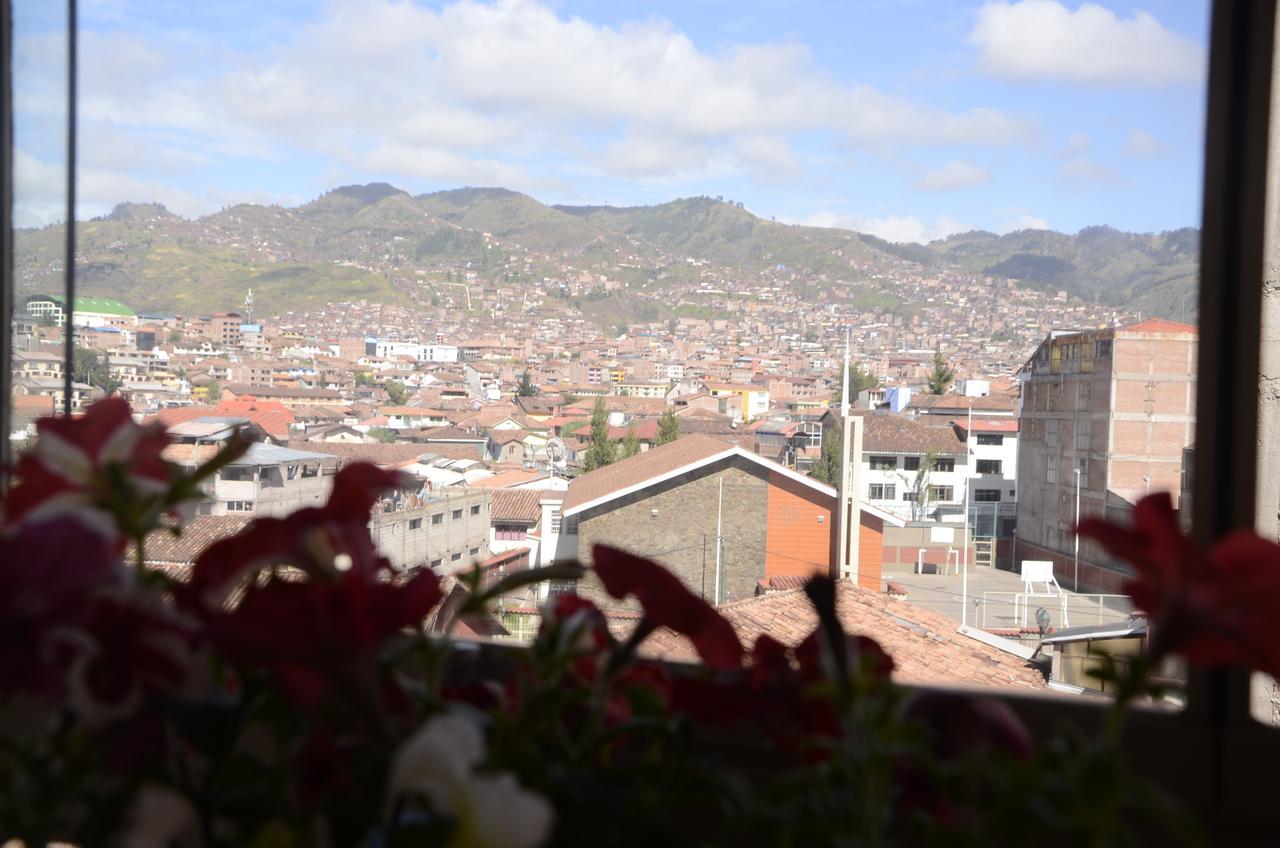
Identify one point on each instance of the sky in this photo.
(907, 119)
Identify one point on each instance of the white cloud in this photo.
(895, 228)
(1044, 40)
(953, 176)
(1141, 145)
(1021, 221)
(478, 91)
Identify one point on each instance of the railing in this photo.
(1081, 606)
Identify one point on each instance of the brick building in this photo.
(668, 502)
(1114, 408)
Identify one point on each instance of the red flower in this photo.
(667, 603)
(311, 632)
(1218, 608)
(68, 467)
(49, 571)
(322, 541)
(859, 650)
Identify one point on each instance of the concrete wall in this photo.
(452, 541)
(682, 535)
(902, 548)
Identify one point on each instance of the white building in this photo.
(993, 482)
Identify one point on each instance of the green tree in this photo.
(601, 451)
(175, 337)
(88, 367)
(859, 382)
(382, 434)
(364, 378)
(918, 486)
(826, 469)
(397, 394)
(668, 428)
(631, 444)
(526, 386)
(942, 376)
(213, 391)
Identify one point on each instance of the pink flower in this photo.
(667, 603)
(82, 463)
(1216, 608)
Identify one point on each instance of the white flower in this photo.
(161, 817)
(491, 810)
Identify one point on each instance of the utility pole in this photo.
(848, 521)
(719, 516)
(1075, 581)
(968, 477)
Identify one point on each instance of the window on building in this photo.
(473, 552)
(909, 496)
(510, 532)
(1084, 434)
(911, 463)
(239, 506)
(990, 438)
(1082, 465)
(944, 463)
(437, 518)
(882, 491)
(1101, 349)
(986, 495)
(457, 514)
(415, 523)
(1051, 469)
(555, 521)
(455, 557)
(942, 493)
(475, 510)
(571, 526)
(435, 563)
(990, 466)
(1051, 433)
(883, 463)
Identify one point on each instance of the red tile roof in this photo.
(641, 468)
(1160, 325)
(889, 433)
(925, 646)
(517, 505)
(988, 425)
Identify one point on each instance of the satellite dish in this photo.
(557, 453)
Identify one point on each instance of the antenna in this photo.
(844, 393)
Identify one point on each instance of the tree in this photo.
(942, 376)
(827, 467)
(601, 451)
(668, 428)
(631, 444)
(397, 394)
(175, 337)
(364, 378)
(859, 382)
(213, 392)
(526, 386)
(88, 367)
(918, 486)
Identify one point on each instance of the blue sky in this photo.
(908, 119)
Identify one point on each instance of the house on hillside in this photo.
(720, 516)
(266, 480)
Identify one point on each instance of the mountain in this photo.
(371, 241)
(1153, 272)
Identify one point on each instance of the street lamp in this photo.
(1075, 584)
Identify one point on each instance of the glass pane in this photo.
(684, 222)
(39, 208)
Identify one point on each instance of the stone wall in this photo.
(675, 524)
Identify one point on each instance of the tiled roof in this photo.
(378, 454)
(924, 645)
(888, 433)
(197, 534)
(641, 468)
(988, 425)
(1159, 325)
(507, 479)
(992, 403)
(517, 505)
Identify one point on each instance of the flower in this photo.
(90, 464)
(491, 810)
(1216, 608)
(330, 624)
(50, 569)
(322, 541)
(667, 603)
(961, 724)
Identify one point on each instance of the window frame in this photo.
(1220, 747)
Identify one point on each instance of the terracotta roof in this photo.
(641, 468)
(646, 430)
(244, 390)
(273, 417)
(197, 534)
(921, 401)
(507, 479)
(450, 433)
(925, 645)
(988, 425)
(516, 505)
(1160, 325)
(377, 453)
(888, 433)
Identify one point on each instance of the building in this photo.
(446, 531)
(89, 312)
(1105, 417)
(993, 473)
(266, 480)
(747, 402)
(719, 516)
(895, 475)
